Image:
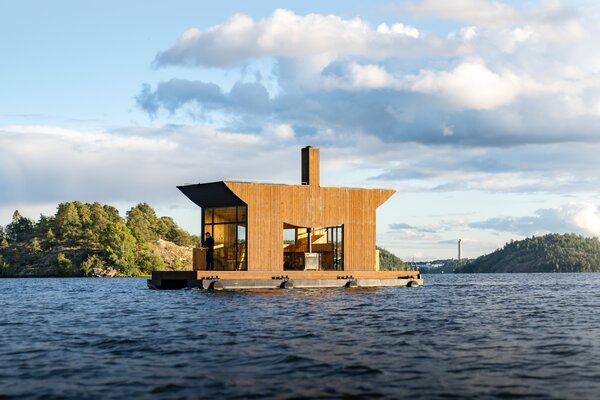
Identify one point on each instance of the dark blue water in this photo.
(461, 336)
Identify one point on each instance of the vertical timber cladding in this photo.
(270, 205)
(311, 168)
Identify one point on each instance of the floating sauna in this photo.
(272, 235)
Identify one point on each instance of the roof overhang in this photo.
(214, 194)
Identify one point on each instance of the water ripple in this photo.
(461, 336)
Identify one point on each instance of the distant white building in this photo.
(459, 249)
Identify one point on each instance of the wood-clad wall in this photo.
(270, 206)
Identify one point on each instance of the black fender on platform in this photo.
(352, 284)
(287, 284)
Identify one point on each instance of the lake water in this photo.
(460, 336)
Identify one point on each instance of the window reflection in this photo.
(228, 228)
(225, 214)
(208, 212)
(329, 242)
(241, 247)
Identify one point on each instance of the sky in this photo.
(483, 115)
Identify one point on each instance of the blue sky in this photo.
(484, 115)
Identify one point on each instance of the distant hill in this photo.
(548, 253)
(84, 239)
(442, 266)
(389, 261)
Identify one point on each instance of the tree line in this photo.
(548, 253)
(83, 237)
(388, 261)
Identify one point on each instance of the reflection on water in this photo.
(465, 336)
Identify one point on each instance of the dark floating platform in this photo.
(236, 280)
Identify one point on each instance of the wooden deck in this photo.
(288, 274)
(285, 279)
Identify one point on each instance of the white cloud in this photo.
(470, 85)
(557, 23)
(279, 131)
(369, 76)
(44, 164)
(551, 20)
(398, 29)
(502, 105)
(466, 33)
(561, 168)
(474, 12)
(504, 53)
(522, 34)
(283, 34)
(582, 218)
(87, 141)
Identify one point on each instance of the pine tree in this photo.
(143, 223)
(67, 222)
(20, 227)
(119, 245)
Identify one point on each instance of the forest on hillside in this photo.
(84, 239)
(389, 261)
(548, 253)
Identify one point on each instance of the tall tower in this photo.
(459, 249)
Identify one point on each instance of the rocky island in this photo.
(84, 239)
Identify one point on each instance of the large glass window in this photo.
(329, 242)
(335, 236)
(227, 225)
(241, 247)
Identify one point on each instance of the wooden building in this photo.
(270, 227)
